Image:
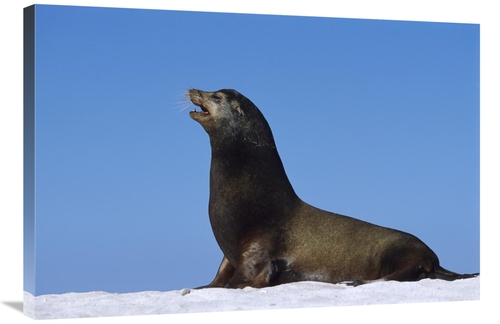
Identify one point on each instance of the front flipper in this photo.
(224, 274)
(254, 266)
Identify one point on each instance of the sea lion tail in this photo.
(442, 273)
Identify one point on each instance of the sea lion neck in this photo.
(244, 154)
(250, 163)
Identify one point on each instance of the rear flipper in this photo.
(441, 273)
(412, 274)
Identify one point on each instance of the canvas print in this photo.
(181, 162)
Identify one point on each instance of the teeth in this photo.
(195, 110)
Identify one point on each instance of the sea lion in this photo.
(268, 235)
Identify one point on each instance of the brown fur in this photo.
(268, 235)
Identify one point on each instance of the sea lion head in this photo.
(227, 115)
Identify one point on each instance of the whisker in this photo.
(183, 103)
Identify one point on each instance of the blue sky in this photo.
(374, 119)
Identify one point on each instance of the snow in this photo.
(295, 295)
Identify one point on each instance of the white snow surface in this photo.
(294, 295)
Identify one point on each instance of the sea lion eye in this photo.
(216, 98)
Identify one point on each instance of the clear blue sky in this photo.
(374, 119)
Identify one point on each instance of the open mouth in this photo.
(203, 111)
(196, 98)
(198, 115)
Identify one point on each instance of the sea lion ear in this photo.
(236, 106)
